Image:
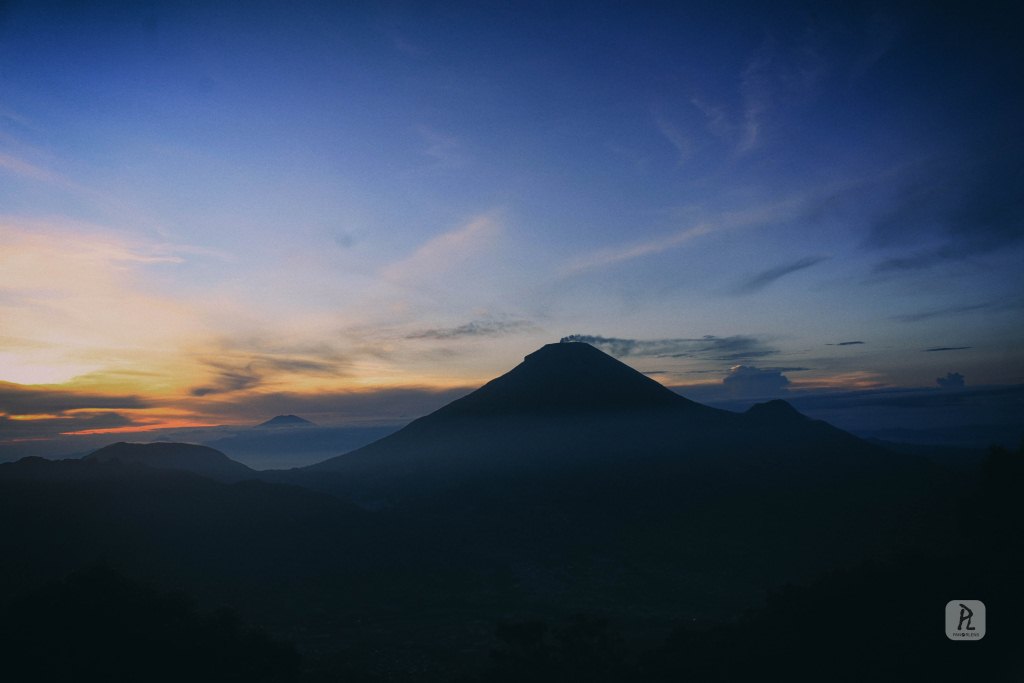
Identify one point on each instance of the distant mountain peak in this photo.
(286, 421)
(566, 377)
(776, 409)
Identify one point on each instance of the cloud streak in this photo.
(475, 328)
(734, 348)
(952, 208)
(760, 215)
(614, 255)
(445, 250)
(17, 399)
(680, 142)
(765, 278)
(755, 91)
(940, 312)
(256, 369)
(25, 169)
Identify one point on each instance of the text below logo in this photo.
(965, 620)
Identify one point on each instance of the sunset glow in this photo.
(204, 215)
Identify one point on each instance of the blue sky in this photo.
(201, 206)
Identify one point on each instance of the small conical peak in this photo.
(776, 409)
(286, 421)
(566, 377)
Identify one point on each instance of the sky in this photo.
(211, 213)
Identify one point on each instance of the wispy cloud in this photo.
(734, 348)
(777, 74)
(943, 312)
(613, 255)
(26, 169)
(242, 364)
(17, 399)
(682, 144)
(951, 208)
(766, 214)
(16, 118)
(407, 47)
(228, 379)
(845, 343)
(756, 99)
(444, 149)
(447, 249)
(947, 348)
(763, 279)
(14, 432)
(716, 118)
(475, 328)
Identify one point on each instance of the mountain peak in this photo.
(286, 421)
(565, 378)
(776, 409)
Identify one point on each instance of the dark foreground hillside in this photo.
(875, 621)
(378, 603)
(96, 625)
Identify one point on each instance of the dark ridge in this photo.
(187, 457)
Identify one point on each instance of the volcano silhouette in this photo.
(571, 411)
(563, 379)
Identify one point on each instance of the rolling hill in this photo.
(186, 457)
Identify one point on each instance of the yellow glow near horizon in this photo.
(40, 416)
(845, 381)
(29, 369)
(76, 305)
(148, 427)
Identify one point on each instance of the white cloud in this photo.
(445, 251)
(671, 132)
(755, 92)
(758, 215)
(717, 120)
(446, 150)
(26, 169)
(746, 381)
(612, 255)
